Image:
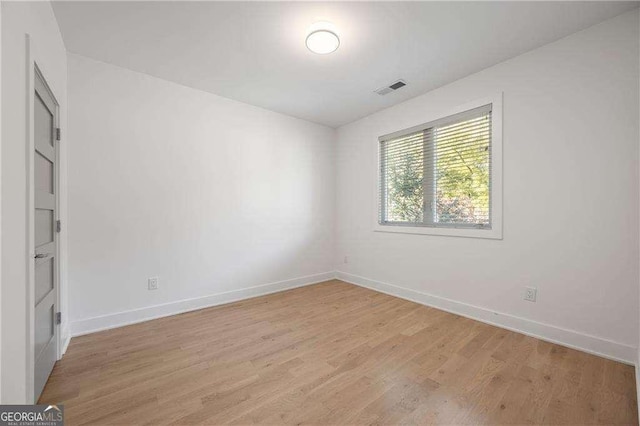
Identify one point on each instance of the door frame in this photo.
(34, 71)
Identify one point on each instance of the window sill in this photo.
(492, 234)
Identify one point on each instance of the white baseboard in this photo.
(570, 338)
(66, 339)
(106, 322)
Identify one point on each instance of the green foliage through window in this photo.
(440, 175)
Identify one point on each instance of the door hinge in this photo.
(58, 318)
(58, 133)
(58, 226)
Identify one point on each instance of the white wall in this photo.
(208, 194)
(0, 205)
(570, 197)
(638, 353)
(18, 19)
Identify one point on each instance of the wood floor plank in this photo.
(333, 353)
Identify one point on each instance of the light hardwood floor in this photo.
(333, 353)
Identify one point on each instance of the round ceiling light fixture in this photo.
(322, 38)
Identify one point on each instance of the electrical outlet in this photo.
(153, 283)
(530, 294)
(346, 259)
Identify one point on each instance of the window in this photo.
(439, 176)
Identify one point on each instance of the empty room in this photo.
(329, 213)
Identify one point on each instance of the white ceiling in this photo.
(255, 52)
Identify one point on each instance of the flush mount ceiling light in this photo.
(322, 38)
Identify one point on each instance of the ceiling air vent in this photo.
(390, 88)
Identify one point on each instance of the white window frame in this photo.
(495, 232)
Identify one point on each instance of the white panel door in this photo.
(45, 234)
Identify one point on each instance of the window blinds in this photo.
(439, 173)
